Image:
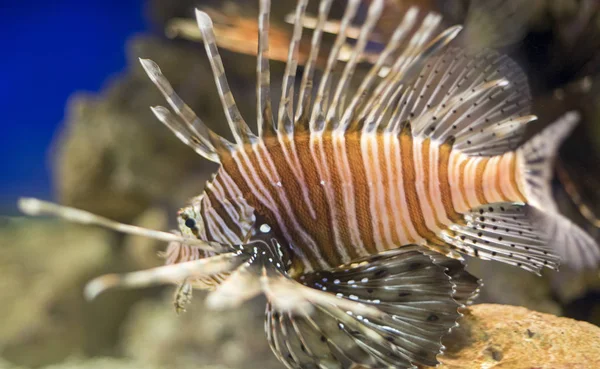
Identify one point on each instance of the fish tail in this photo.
(576, 248)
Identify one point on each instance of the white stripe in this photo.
(374, 209)
(344, 172)
(489, 181)
(320, 161)
(293, 161)
(470, 183)
(391, 142)
(426, 209)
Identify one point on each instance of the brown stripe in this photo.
(223, 214)
(397, 173)
(361, 191)
(322, 236)
(479, 180)
(513, 177)
(319, 228)
(444, 177)
(230, 165)
(410, 188)
(377, 159)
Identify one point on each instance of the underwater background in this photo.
(77, 129)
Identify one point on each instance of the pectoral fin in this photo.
(413, 307)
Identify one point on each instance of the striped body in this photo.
(338, 198)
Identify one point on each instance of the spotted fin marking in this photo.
(480, 101)
(412, 293)
(505, 233)
(423, 43)
(576, 248)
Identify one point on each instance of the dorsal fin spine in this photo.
(337, 104)
(306, 86)
(321, 101)
(286, 107)
(416, 64)
(398, 35)
(427, 26)
(237, 124)
(452, 105)
(264, 114)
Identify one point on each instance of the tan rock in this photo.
(44, 265)
(509, 337)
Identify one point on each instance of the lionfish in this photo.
(352, 212)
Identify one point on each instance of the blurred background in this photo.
(77, 129)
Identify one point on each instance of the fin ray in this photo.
(505, 233)
(237, 124)
(264, 114)
(412, 294)
(286, 107)
(338, 99)
(577, 248)
(321, 101)
(306, 86)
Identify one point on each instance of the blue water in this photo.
(51, 49)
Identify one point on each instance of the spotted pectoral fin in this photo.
(504, 232)
(388, 310)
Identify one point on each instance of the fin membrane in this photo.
(482, 101)
(466, 286)
(414, 298)
(503, 232)
(577, 248)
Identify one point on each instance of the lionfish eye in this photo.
(265, 228)
(190, 223)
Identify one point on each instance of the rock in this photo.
(113, 157)
(502, 336)
(507, 285)
(156, 335)
(44, 265)
(142, 252)
(99, 363)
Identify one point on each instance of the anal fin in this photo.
(504, 232)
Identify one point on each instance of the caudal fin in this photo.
(576, 248)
